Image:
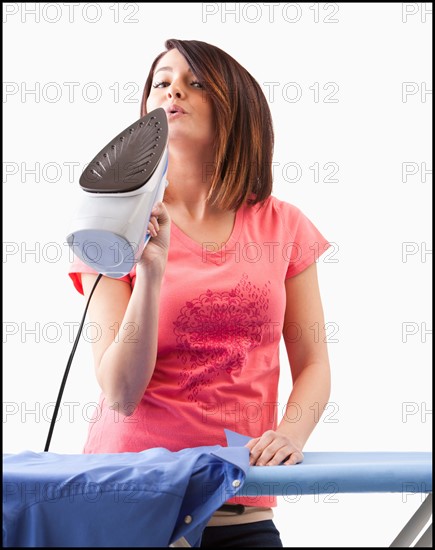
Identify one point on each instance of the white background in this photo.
(376, 295)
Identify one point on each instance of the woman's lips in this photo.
(175, 114)
(175, 109)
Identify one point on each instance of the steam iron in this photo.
(120, 187)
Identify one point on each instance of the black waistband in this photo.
(237, 509)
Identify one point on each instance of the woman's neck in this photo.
(189, 176)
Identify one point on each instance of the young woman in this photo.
(190, 338)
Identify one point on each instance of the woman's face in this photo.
(187, 105)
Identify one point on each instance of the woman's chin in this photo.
(178, 137)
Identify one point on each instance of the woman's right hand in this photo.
(155, 253)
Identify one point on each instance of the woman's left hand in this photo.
(273, 448)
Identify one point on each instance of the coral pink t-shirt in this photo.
(221, 320)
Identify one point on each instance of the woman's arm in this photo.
(304, 337)
(127, 323)
(125, 352)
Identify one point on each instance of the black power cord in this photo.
(65, 376)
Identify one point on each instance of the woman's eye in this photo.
(161, 84)
(165, 84)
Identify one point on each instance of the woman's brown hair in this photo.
(242, 170)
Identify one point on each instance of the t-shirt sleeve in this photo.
(77, 267)
(306, 243)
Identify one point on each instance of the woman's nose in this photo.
(174, 91)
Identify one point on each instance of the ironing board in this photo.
(342, 472)
(351, 472)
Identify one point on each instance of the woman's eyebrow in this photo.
(168, 69)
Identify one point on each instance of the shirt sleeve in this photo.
(306, 243)
(77, 267)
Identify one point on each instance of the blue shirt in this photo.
(152, 498)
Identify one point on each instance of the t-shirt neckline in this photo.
(199, 249)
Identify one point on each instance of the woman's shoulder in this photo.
(280, 216)
(275, 206)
